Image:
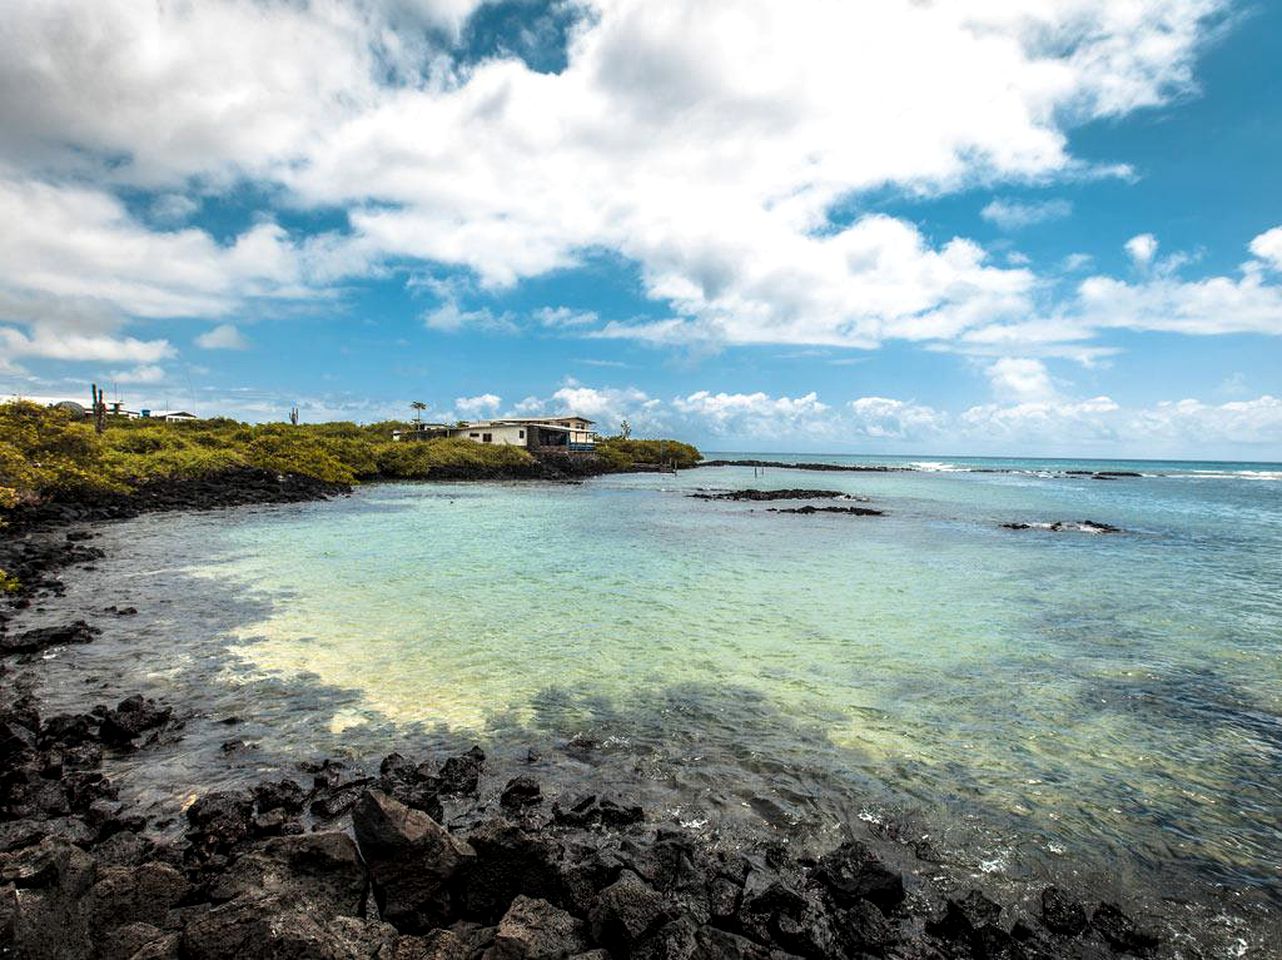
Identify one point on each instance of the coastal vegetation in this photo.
(52, 453)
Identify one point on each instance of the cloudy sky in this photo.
(1048, 227)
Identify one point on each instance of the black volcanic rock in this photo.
(521, 792)
(625, 912)
(809, 509)
(220, 820)
(41, 638)
(411, 860)
(852, 873)
(131, 719)
(533, 929)
(765, 495)
(1122, 933)
(285, 795)
(1061, 913)
(461, 774)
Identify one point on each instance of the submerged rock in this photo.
(809, 509)
(764, 495)
(41, 638)
(1066, 526)
(521, 792)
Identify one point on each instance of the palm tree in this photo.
(418, 406)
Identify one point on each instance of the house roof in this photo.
(541, 420)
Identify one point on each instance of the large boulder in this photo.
(321, 872)
(626, 912)
(44, 902)
(1121, 932)
(411, 860)
(1061, 913)
(852, 873)
(218, 821)
(462, 774)
(142, 894)
(534, 929)
(415, 785)
(273, 928)
(131, 718)
(509, 861)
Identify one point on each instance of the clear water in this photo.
(1108, 702)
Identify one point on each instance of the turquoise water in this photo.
(1107, 701)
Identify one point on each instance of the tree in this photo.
(625, 429)
(418, 406)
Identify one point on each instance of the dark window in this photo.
(474, 435)
(522, 432)
(486, 437)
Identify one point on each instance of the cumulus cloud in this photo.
(1142, 248)
(1022, 379)
(144, 374)
(1033, 418)
(485, 403)
(225, 336)
(705, 142)
(1016, 214)
(59, 344)
(883, 418)
(1268, 248)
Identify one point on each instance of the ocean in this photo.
(1024, 702)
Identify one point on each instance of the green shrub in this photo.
(46, 452)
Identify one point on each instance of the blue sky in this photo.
(897, 228)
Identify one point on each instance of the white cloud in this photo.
(145, 374)
(883, 418)
(225, 336)
(1053, 424)
(1142, 248)
(173, 207)
(1016, 214)
(564, 317)
(754, 414)
(58, 344)
(1268, 247)
(478, 405)
(1022, 379)
(705, 142)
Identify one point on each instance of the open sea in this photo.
(1026, 703)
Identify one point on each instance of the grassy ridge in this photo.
(49, 453)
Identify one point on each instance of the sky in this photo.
(1043, 228)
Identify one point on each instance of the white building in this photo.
(567, 434)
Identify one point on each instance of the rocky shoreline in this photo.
(431, 860)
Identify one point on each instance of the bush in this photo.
(623, 454)
(46, 453)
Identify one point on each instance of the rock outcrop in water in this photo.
(766, 495)
(809, 509)
(523, 878)
(1066, 526)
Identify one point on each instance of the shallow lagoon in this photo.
(1032, 700)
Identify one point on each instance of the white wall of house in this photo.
(499, 435)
